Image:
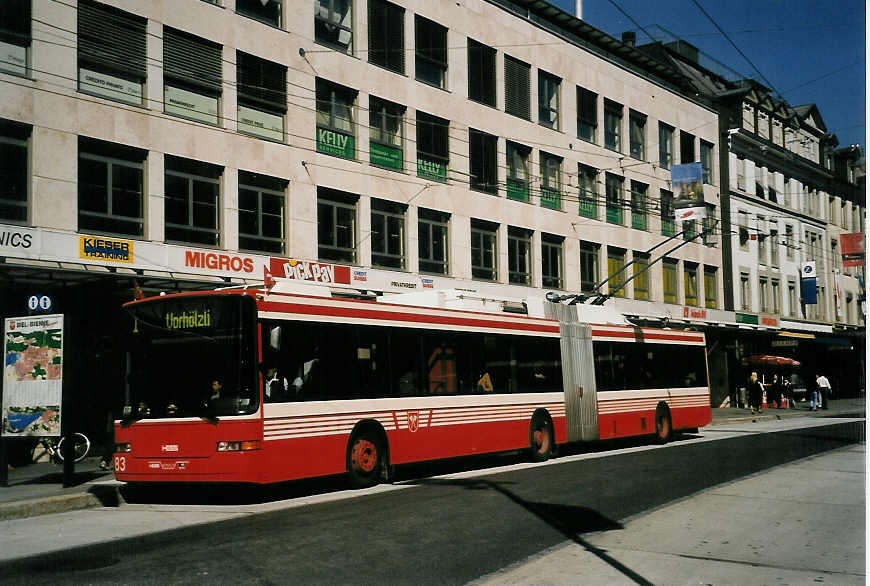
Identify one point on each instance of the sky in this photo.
(808, 50)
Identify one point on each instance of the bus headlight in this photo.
(123, 448)
(238, 446)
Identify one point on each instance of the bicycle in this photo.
(53, 448)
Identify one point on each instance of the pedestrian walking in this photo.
(824, 389)
(756, 392)
(788, 391)
(774, 393)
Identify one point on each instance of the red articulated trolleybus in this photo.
(268, 385)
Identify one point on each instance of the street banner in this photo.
(852, 247)
(32, 375)
(808, 282)
(690, 213)
(687, 182)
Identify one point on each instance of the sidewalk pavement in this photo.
(38, 489)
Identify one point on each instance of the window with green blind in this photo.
(335, 130)
(669, 281)
(191, 76)
(517, 88)
(387, 35)
(551, 183)
(613, 198)
(587, 178)
(517, 171)
(638, 205)
(385, 134)
(667, 205)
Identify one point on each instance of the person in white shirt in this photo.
(824, 389)
(275, 386)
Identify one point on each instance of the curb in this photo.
(48, 505)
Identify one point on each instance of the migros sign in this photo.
(218, 261)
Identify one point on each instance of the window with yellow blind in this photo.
(669, 281)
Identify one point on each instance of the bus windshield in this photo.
(191, 356)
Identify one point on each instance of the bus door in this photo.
(578, 376)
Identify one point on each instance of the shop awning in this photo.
(768, 360)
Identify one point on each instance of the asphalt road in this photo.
(443, 531)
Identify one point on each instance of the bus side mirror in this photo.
(275, 338)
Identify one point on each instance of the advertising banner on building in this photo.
(838, 293)
(808, 282)
(32, 375)
(852, 247)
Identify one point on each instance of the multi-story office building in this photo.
(782, 206)
(504, 148)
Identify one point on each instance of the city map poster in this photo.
(32, 375)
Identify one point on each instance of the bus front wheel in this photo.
(365, 459)
(664, 427)
(541, 437)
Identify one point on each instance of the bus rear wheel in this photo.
(664, 428)
(365, 459)
(540, 437)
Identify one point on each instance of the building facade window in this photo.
(551, 181)
(517, 171)
(763, 295)
(15, 36)
(111, 53)
(519, 256)
(690, 283)
(711, 288)
(430, 52)
(262, 96)
(640, 271)
(336, 225)
(741, 173)
(483, 160)
(670, 287)
(261, 212)
(615, 271)
(387, 35)
(707, 162)
(433, 243)
(590, 275)
(690, 229)
(587, 115)
(481, 73)
(667, 206)
(111, 198)
(192, 192)
(774, 295)
(517, 88)
(587, 178)
(268, 12)
(551, 261)
(666, 145)
(762, 241)
(191, 77)
(792, 298)
(386, 134)
(687, 147)
(433, 155)
(548, 100)
(743, 230)
(638, 205)
(388, 234)
(335, 129)
(789, 242)
(774, 247)
(637, 135)
(612, 126)
(333, 24)
(14, 171)
(484, 250)
(613, 198)
(745, 292)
